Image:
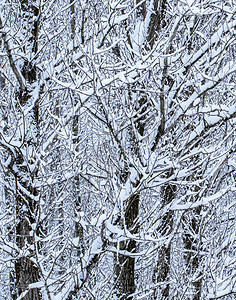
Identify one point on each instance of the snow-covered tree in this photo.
(117, 149)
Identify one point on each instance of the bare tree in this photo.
(23, 164)
(116, 149)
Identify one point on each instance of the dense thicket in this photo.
(117, 149)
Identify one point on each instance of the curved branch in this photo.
(14, 68)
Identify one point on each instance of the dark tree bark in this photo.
(157, 21)
(75, 130)
(76, 192)
(26, 271)
(162, 269)
(141, 9)
(168, 191)
(125, 265)
(26, 211)
(192, 245)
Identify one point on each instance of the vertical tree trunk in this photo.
(168, 191)
(125, 265)
(191, 236)
(157, 21)
(75, 130)
(76, 191)
(26, 271)
(192, 244)
(162, 269)
(26, 215)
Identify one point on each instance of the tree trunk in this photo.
(157, 21)
(162, 269)
(125, 265)
(168, 191)
(192, 243)
(76, 190)
(26, 271)
(75, 129)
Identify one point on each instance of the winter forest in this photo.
(117, 149)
